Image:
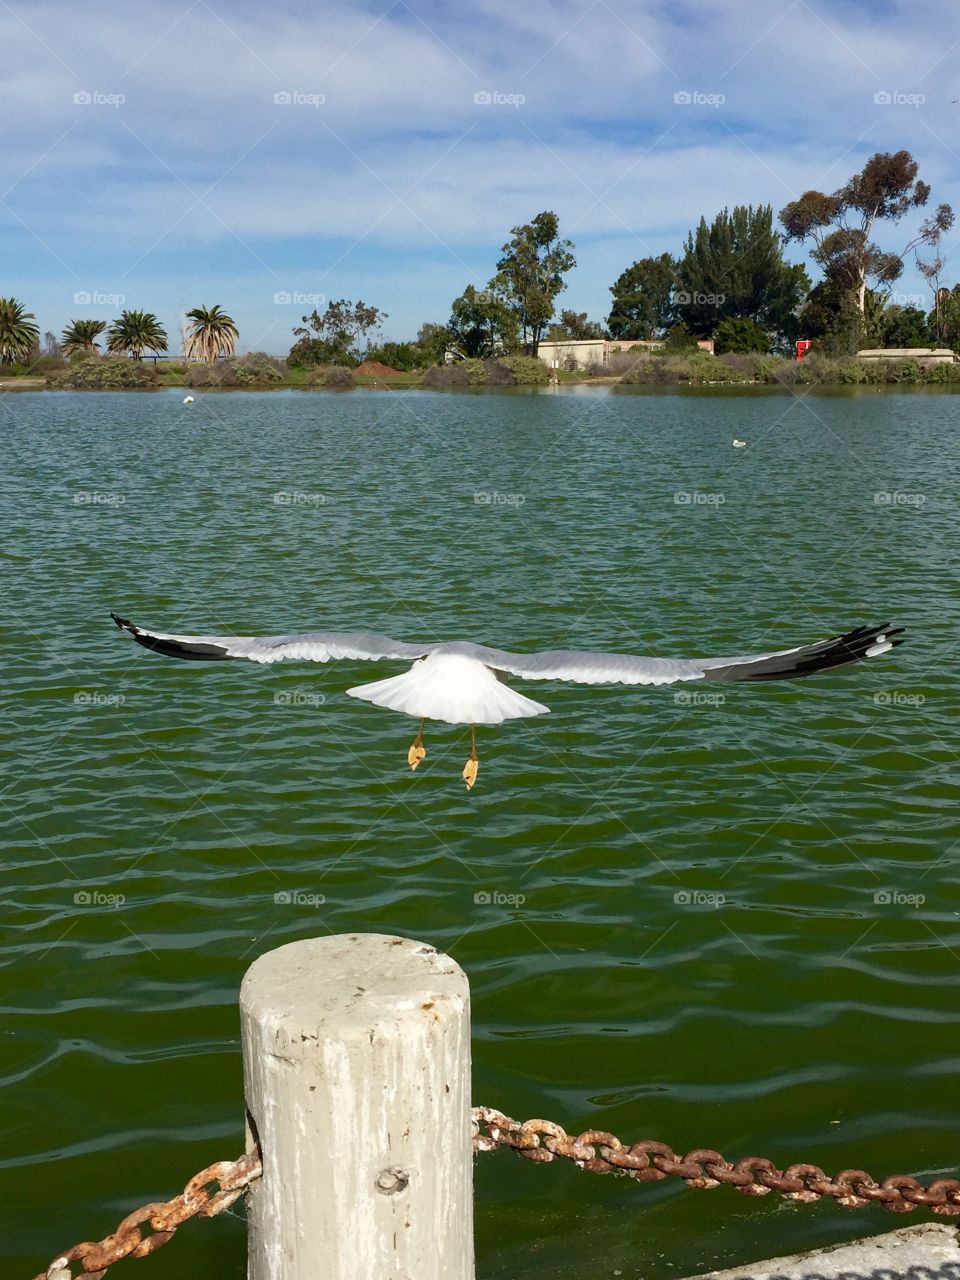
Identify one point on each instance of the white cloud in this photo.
(399, 161)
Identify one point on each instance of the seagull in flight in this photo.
(459, 682)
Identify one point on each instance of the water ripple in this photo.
(729, 924)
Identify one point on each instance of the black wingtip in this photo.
(171, 646)
(839, 651)
(843, 650)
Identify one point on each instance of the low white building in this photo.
(580, 353)
(572, 353)
(922, 355)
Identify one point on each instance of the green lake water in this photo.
(738, 926)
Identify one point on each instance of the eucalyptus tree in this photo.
(481, 324)
(841, 225)
(575, 325)
(530, 275)
(338, 335)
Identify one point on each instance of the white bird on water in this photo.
(739, 444)
(459, 682)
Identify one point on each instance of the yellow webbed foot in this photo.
(470, 771)
(417, 750)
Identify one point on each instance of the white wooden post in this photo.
(356, 1053)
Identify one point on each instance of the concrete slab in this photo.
(927, 1252)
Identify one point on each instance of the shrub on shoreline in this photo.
(446, 377)
(335, 377)
(255, 369)
(110, 373)
(528, 371)
(696, 368)
(503, 371)
(700, 369)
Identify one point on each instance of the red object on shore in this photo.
(803, 346)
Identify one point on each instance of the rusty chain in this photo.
(595, 1150)
(602, 1152)
(161, 1220)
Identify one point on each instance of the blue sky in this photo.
(192, 152)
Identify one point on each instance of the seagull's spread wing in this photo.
(624, 668)
(457, 681)
(310, 646)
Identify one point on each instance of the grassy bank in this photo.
(701, 369)
(258, 372)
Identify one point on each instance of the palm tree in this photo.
(212, 333)
(82, 335)
(136, 331)
(19, 334)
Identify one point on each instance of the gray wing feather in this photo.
(583, 667)
(310, 646)
(624, 668)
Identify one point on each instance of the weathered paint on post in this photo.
(357, 1072)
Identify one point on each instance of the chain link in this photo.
(602, 1152)
(148, 1228)
(596, 1150)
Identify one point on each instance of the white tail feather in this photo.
(450, 687)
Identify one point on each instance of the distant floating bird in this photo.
(739, 444)
(188, 399)
(459, 682)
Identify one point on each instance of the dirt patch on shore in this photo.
(374, 368)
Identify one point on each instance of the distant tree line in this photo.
(730, 282)
(510, 316)
(733, 283)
